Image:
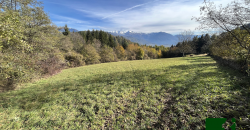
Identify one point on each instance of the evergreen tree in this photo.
(119, 39)
(111, 41)
(89, 37)
(178, 44)
(66, 30)
(207, 43)
(124, 43)
(93, 34)
(103, 38)
(100, 35)
(201, 41)
(96, 34)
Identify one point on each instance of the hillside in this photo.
(174, 93)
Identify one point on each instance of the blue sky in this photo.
(170, 16)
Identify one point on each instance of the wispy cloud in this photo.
(152, 16)
(127, 9)
(67, 19)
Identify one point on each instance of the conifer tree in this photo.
(124, 43)
(66, 30)
(89, 37)
(93, 33)
(103, 38)
(111, 41)
(96, 34)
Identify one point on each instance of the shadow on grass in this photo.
(234, 105)
(199, 59)
(186, 106)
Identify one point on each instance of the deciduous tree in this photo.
(228, 18)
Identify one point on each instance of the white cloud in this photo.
(127, 9)
(68, 20)
(167, 16)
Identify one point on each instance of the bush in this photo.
(140, 54)
(116, 59)
(146, 57)
(9, 77)
(10, 72)
(131, 55)
(90, 54)
(74, 59)
(120, 52)
(53, 64)
(106, 54)
(65, 44)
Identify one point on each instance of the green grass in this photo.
(176, 93)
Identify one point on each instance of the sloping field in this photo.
(174, 93)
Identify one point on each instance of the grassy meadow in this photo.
(172, 93)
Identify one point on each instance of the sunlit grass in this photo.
(175, 93)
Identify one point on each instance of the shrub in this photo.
(8, 77)
(106, 54)
(90, 54)
(53, 64)
(74, 59)
(10, 72)
(146, 57)
(120, 52)
(140, 53)
(65, 44)
(152, 53)
(131, 55)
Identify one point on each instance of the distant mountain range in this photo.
(155, 38)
